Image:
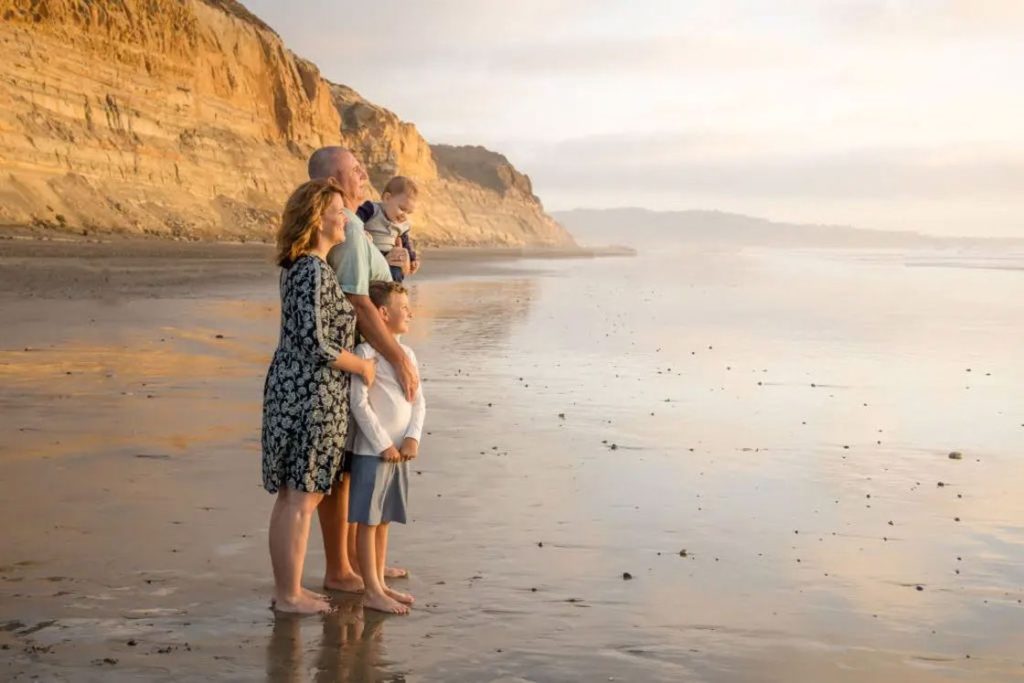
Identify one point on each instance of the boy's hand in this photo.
(410, 448)
(391, 455)
(414, 266)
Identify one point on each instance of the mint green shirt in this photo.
(357, 261)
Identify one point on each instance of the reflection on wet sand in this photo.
(462, 315)
(349, 648)
(782, 418)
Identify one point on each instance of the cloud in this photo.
(839, 110)
(731, 168)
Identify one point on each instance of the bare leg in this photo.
(333, 511)
(382, 556)
(374, 597)
(353, 551)
(289, 535)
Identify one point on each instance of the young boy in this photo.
(387, 223)
(388, 436)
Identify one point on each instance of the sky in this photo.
(888, 114)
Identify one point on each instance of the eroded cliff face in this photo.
(190, 118)
(468, 195)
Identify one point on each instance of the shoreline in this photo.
(139, 244)
(83, 268)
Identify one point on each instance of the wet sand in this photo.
(760, 439)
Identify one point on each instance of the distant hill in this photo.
(640, 228)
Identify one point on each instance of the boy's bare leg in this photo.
(389, 572)
(289, 534)
(382, 556)
(374, 597)
(333, 511)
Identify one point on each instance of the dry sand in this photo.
(784, 418)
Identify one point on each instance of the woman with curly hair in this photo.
(306, 395)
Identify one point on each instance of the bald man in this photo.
(357, 263)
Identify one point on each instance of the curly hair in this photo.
(303, 215)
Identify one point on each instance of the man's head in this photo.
(392, 302)
(399, 198)
(340, 164)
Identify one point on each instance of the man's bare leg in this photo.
(333, 511)
(353, 550)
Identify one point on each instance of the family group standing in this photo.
(341, 418)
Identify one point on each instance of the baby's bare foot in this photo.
(382, 603)
(401, 597)
(303, 604)
(346, 584)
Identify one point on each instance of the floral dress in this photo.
(305, 401)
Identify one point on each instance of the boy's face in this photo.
(397, 314)
(398, 206)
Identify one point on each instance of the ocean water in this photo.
(714, 465)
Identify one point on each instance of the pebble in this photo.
(626, 576)
(956, 455)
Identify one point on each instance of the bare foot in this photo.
(314, 595)
(396, 573)
(300, 605)
(346, 584)
(401, 597)
(383, 603)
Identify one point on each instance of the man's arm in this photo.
(373, 330)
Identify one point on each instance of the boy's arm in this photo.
(365, 417)
(419, 408)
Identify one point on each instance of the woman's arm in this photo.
(309, 283)
(365, 368)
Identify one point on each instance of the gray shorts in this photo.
(378, 490)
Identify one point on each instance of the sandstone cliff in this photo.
(190, 118)
(468, 195)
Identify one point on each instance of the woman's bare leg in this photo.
(289, 535)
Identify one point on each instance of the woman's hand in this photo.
(369, 371)
(390, 455)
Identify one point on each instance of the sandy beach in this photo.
(717, 465)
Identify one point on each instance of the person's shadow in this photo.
(350, 650)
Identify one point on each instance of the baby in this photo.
(388, 436)
(387, 224)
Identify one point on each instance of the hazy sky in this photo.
(889, 114)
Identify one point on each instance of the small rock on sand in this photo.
(956, 455)
(626, 576)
